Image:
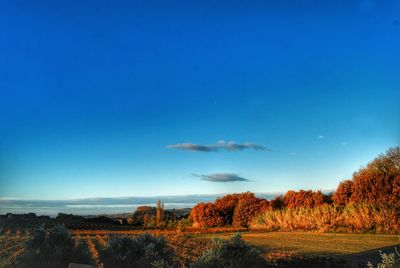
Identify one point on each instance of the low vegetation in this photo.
(141, 251)
(351, 218)
(388, 260)
(230, 253)
(52, 248)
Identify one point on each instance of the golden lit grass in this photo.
(321, 244)
(11, 245)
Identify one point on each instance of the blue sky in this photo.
(94, 93)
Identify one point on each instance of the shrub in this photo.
(230, 253)
(388, 260)
(53, 248)
(142, 251)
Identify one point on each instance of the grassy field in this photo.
(351, 247)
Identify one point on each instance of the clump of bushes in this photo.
(53, 248)
(230, 253)
(142, 251)
(236, 210)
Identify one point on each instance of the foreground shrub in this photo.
(53, 248)
(142, 251)
(388, 260)
(230, 253)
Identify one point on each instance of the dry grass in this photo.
(353, 218)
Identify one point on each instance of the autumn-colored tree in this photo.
(276, 203)
(159, 212)
(309, 199)
(379, 182)
(226, 206)
(343, 193)
(206, 215)
(247, 208)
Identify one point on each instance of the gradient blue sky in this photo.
(92, 92)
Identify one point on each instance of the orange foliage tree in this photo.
(379, 182)
(232, 209)
(309, 199)
(206, 215)
(247, 208)
(343, 193)
(226, 206)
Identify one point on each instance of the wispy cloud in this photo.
(220, 146)
(320, 137)
(193, 147)
(221, 177)
(344, 143)
(293, 153)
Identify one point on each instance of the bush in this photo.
(142, 251)
(230, 253)
(53, 248)
(388, 260)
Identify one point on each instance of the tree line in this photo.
(373, 190)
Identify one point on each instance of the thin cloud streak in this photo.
(221, 177)
(220, 146)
